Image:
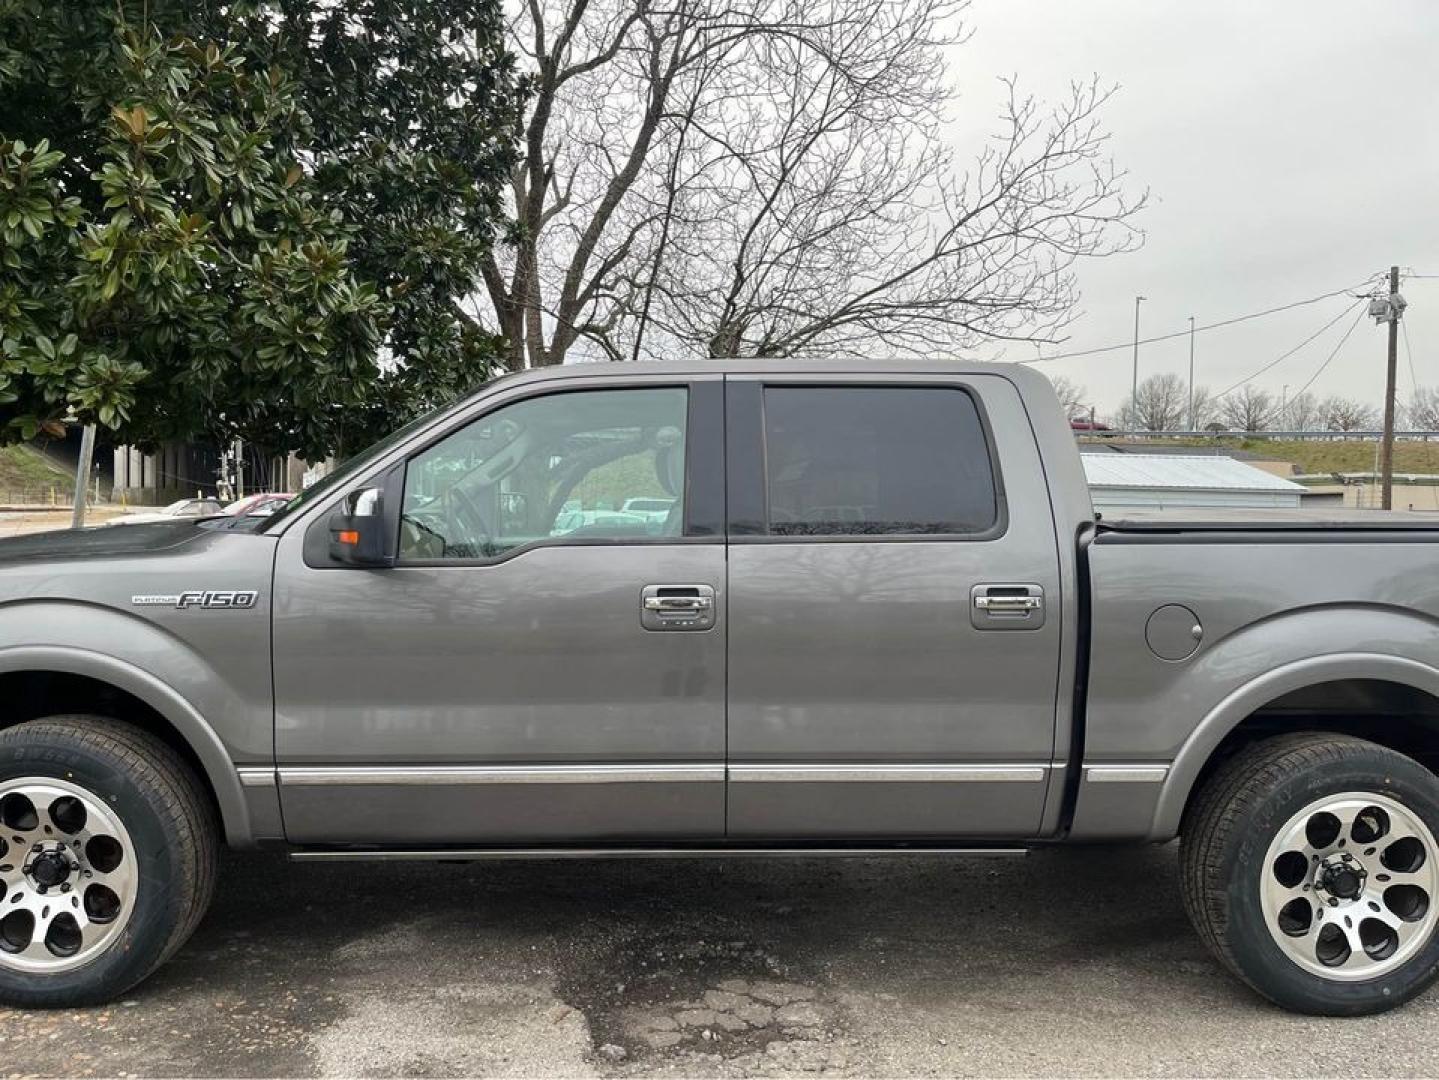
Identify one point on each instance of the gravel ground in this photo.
(1076, 961)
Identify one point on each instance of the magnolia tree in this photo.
(245, 220)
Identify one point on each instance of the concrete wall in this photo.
(174, 471)
(1411, 496)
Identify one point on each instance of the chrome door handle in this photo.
(1007, 606)
(678, 607)
(678, 603)
(999, 605)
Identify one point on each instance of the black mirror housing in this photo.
(360, 534)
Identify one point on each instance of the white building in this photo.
(1162, 481)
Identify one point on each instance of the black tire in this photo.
(171, 823)
(1225, 840)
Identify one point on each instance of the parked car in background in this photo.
(598, 521)
(181, 508)
(261, 505)
(652, 508)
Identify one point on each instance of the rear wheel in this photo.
(1311, 869)
(107, 859)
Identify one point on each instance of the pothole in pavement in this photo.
(728, 1000)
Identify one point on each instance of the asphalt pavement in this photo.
(1075, 961)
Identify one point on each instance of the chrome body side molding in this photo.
(888, 774)
(1125, 774)
(256, 776)
(463, 775)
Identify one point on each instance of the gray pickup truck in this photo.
(704, 609)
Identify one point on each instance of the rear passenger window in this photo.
(876, 461)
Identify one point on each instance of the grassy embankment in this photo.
(1325, 456)
(28, 476)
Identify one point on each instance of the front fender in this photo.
(206, 672)
(198, 735)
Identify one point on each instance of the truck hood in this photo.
(99, 543)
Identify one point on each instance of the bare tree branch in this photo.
(773, 178)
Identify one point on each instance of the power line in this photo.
(1413, 378)
(1349, 289)
(1428, 446)
(1328, 359)
(1287, 355)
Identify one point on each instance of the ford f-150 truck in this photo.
(878, 613)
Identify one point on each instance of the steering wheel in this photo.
(465, 519)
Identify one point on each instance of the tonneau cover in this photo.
(1205, 519)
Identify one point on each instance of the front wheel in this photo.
(107, 859)
(1310, 868)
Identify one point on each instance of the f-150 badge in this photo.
(196, 598)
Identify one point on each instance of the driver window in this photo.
(603, 464)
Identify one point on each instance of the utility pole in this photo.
(82, 476)
(1134, 383)
(1192, 425)
(1388, 310)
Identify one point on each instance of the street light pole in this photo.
(1192, 425)
(1134, 382)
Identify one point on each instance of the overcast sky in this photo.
(1290, 148)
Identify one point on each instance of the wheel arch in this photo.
(173, 718)
(1205, 744)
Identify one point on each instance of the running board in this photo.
(478, 854)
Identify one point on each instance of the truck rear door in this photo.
(894, 638)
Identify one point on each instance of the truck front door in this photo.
(546, 662)
(893, 593)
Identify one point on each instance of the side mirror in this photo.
(359, 530)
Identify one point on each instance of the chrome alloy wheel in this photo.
(1349, 886)
(69, 874)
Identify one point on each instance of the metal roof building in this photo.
(1161, 481)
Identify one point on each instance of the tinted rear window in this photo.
(867, 461)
